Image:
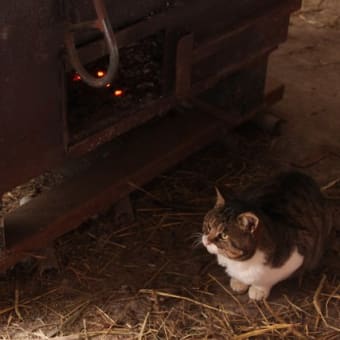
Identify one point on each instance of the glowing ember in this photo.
(108, 85)
(76, 77)
(100, 74)
(118, 93)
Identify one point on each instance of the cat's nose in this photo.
(205, 240)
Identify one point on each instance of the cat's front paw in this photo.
(238, 286)
(258, 293)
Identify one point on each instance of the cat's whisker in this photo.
(195, 235)
(198, 240)
(197, 244)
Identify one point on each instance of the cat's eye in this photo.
(224, 236)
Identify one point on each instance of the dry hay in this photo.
(14, 198)
(146, 280)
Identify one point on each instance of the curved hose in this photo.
(102, 24)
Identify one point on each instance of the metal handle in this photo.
(102, 24)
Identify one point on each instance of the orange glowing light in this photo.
(100, 74)
(118, 93)
(108, 85)
(76, 77)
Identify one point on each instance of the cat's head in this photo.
(230, 229)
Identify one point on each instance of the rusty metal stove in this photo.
(212, 75)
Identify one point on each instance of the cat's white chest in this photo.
(255, 271)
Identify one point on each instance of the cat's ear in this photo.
(248, 222)
(220, 201)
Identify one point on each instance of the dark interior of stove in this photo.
(137, 83)
(220, 63)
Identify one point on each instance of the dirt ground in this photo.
(148, 280)
(309, 65)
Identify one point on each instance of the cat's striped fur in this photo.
(269, 232)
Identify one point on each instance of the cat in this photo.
(269, 232)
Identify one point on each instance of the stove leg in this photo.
(269, 123)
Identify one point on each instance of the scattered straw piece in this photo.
(85, 329)
(330, 184)
(233, 297)
(121, 332)
(184, 298)
(69, 318)
(140, 335)
(6, 310)
(294, 306)
(153, 277)
(147, 193)
(105, 316)
(67, 337)
(280, 320)
(164, 321)
(316, 300)
(262, 330)
(27, 302)
(317, 306)
(332, 296)
(16, 303)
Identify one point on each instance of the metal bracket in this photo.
(184, 63)
(102, 24)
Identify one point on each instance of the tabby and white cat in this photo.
(268, 232)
